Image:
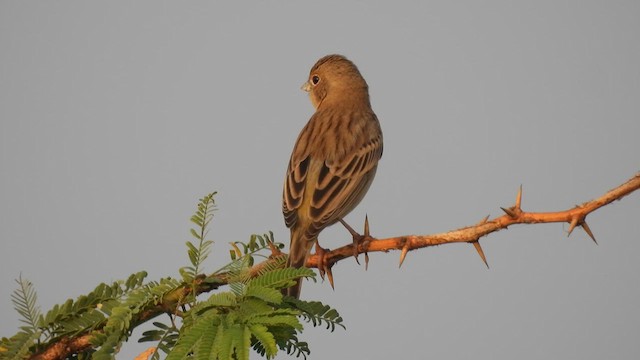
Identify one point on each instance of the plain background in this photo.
(116, 117)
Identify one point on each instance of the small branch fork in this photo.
(576, 217)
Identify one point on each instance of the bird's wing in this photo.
(341, 185)
(338, 185)
(294, 186)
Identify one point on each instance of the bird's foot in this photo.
(359, 240)
(323, 264)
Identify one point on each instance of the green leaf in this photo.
(188, 273)
(24, 301)
(280, 277)
(288, 320)
(196, 220)
(161, 325)
(191, 336)
(194, 259)
(205, 345)
(19, 344)
(223, 299)
(266, 294)
(266, 339)
(195, 234)
(191, 247)
(242, 351)
(198, 253)
(317, 313)
(220, 346)
(80, 322)
(151, 335)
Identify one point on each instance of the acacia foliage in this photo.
(251, 314)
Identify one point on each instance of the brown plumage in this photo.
(334, 159)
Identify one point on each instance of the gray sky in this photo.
(116, 117)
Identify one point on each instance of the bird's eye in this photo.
(315, 79)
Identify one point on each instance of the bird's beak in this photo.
(306, 86)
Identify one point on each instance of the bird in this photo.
(334, 160)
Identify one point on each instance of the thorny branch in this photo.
(576, 217)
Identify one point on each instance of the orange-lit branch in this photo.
(471, 234)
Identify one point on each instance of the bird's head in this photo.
(335, 79)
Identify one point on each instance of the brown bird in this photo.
(334, 159)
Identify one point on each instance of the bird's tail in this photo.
(299, 251)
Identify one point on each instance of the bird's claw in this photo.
(359, 239)
(323, 264)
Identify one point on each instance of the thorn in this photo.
(349, 228)
(509, 212)
(366, 226)
(321, 271)
(403, 254)
(330, 277)
(483, 221)
(366, 261)
(356, 239)
(476, 244)
(586, 229)
(367, 235)
(519, 198)
(574, 222)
